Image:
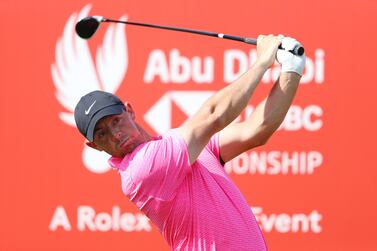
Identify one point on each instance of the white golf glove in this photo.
(290, 62)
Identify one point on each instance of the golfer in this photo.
(178, 179)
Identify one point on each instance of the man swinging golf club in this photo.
(177, 179)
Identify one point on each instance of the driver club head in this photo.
(87, 26)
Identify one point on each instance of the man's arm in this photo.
(223, 107)
(269, 114)
(267, 117)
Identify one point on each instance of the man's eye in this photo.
(101, 134)
(115, 121)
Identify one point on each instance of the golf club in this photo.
(86, 28)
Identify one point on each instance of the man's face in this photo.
(117, 134)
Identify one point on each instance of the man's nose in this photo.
(117, 134)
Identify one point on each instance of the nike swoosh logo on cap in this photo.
(90, 107)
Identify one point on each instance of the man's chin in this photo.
(122, 153)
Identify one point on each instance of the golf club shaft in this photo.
(206, 33)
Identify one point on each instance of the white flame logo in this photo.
(75, 73)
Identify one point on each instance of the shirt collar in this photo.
(116, 162)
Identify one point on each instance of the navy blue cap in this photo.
(94, 106)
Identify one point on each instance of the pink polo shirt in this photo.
(195, 207)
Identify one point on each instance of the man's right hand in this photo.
(267, 47)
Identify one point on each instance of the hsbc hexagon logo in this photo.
(159, 116)
(75, 73)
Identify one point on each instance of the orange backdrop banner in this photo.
(311, 187)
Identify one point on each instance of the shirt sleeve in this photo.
(214, 146)
(163, 166)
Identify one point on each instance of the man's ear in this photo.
(129, 109)
(93, 145)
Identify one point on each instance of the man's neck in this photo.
(145, 135)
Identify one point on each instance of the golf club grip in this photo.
(296, 51)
